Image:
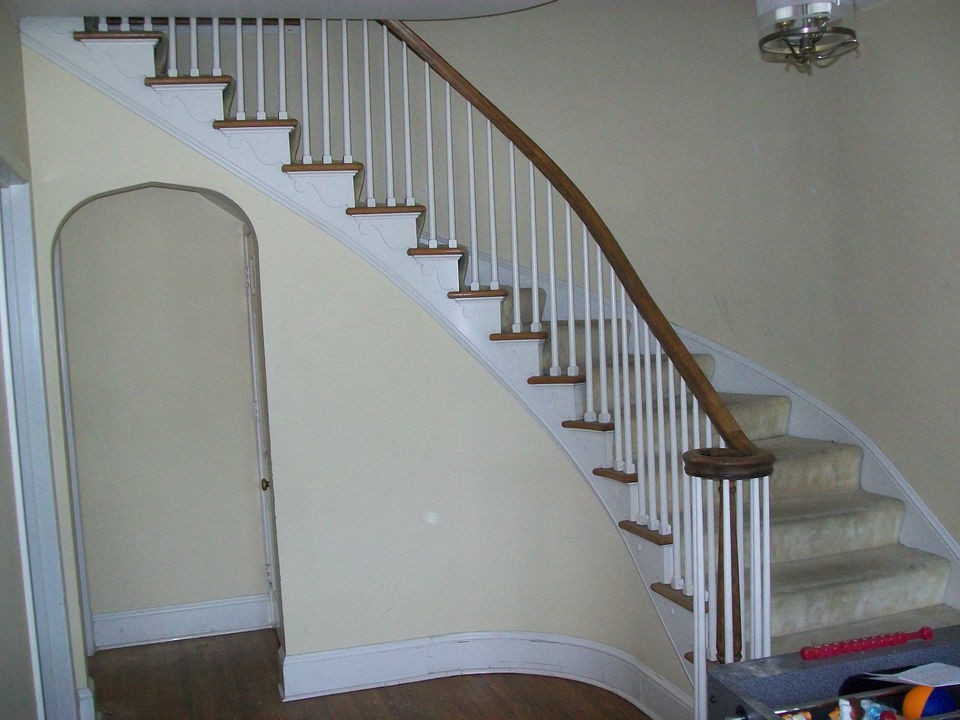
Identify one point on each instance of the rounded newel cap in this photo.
(727, 464)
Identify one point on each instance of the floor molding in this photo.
(176, 622)
(324, 673)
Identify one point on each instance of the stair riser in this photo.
(822, 473)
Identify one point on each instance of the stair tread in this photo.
(829, 505)
(840, 569)
(935, 616)
(826, 591)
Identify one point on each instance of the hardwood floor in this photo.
(234, 677)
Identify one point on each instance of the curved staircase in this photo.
(838, 566)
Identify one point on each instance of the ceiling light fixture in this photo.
(806, 33)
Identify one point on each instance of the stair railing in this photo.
(427, 135)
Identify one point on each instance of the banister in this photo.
(686, 366)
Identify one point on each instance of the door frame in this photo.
(259, 406)
(57, 689)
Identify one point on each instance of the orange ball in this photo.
(923, 701)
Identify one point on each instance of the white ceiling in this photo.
(379, 9)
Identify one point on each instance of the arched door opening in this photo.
(165, 413)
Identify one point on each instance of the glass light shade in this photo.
(806, 32)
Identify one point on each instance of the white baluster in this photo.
(555, 369)
(124, 23)
(472, 178)
(618, 409)
(451, 202)
(604, 415)
(102, 25)
(261, 103)
(643, 515)
(649, 418)
(756, 574)
(367, 119)
(238, 31)
(307, 158)
(172, 47)
(573, 370)
(345, 83)
(727, 540)
(148, 23)
(282, 70)
(492, 214)
(674, 442)
(628, 465)
(741, 556)
(194, 52)
(535, 324)
(700, 623)
(388, 124)
(325, 91)
(686, 573)
(590, 413)
(241, 110)
(662, 495)
(711, 571)
(407, 159)
(514, 244)
(431, 186)
(217, 62)
(766, 617)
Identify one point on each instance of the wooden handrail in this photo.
(686, 366)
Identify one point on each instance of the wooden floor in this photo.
(234, 677)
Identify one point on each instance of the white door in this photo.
(265, 479)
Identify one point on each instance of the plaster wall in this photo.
(414, 496)
(13, 117)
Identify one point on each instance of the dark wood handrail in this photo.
(689, 370)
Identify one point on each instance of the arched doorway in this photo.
(161, 363)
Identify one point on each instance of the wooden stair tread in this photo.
(595, 425)
(524, 335)
(385, 209)
(618, 475)
(646, 533)
(321, 167)
(118, 35)
(240, 124)
(556, 379)
(476, 294)
(421, 251)
(188, 80)
(673, 595)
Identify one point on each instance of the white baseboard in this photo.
(176, 622)
(334, 671)
(85, 702)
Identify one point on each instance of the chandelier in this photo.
(806, 33)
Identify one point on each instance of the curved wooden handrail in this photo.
(686, 366)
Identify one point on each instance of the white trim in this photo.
(176, 622)
(35, 459)
(335, 671)
(8, 390)
(85, 702)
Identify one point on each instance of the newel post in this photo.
(730, 502)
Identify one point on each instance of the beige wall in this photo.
(13, 116)
(809, 222)
(403, 509)
(159, 361)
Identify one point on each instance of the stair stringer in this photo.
(382, 241)
(811, 418)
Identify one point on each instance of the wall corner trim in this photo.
(334, 671)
